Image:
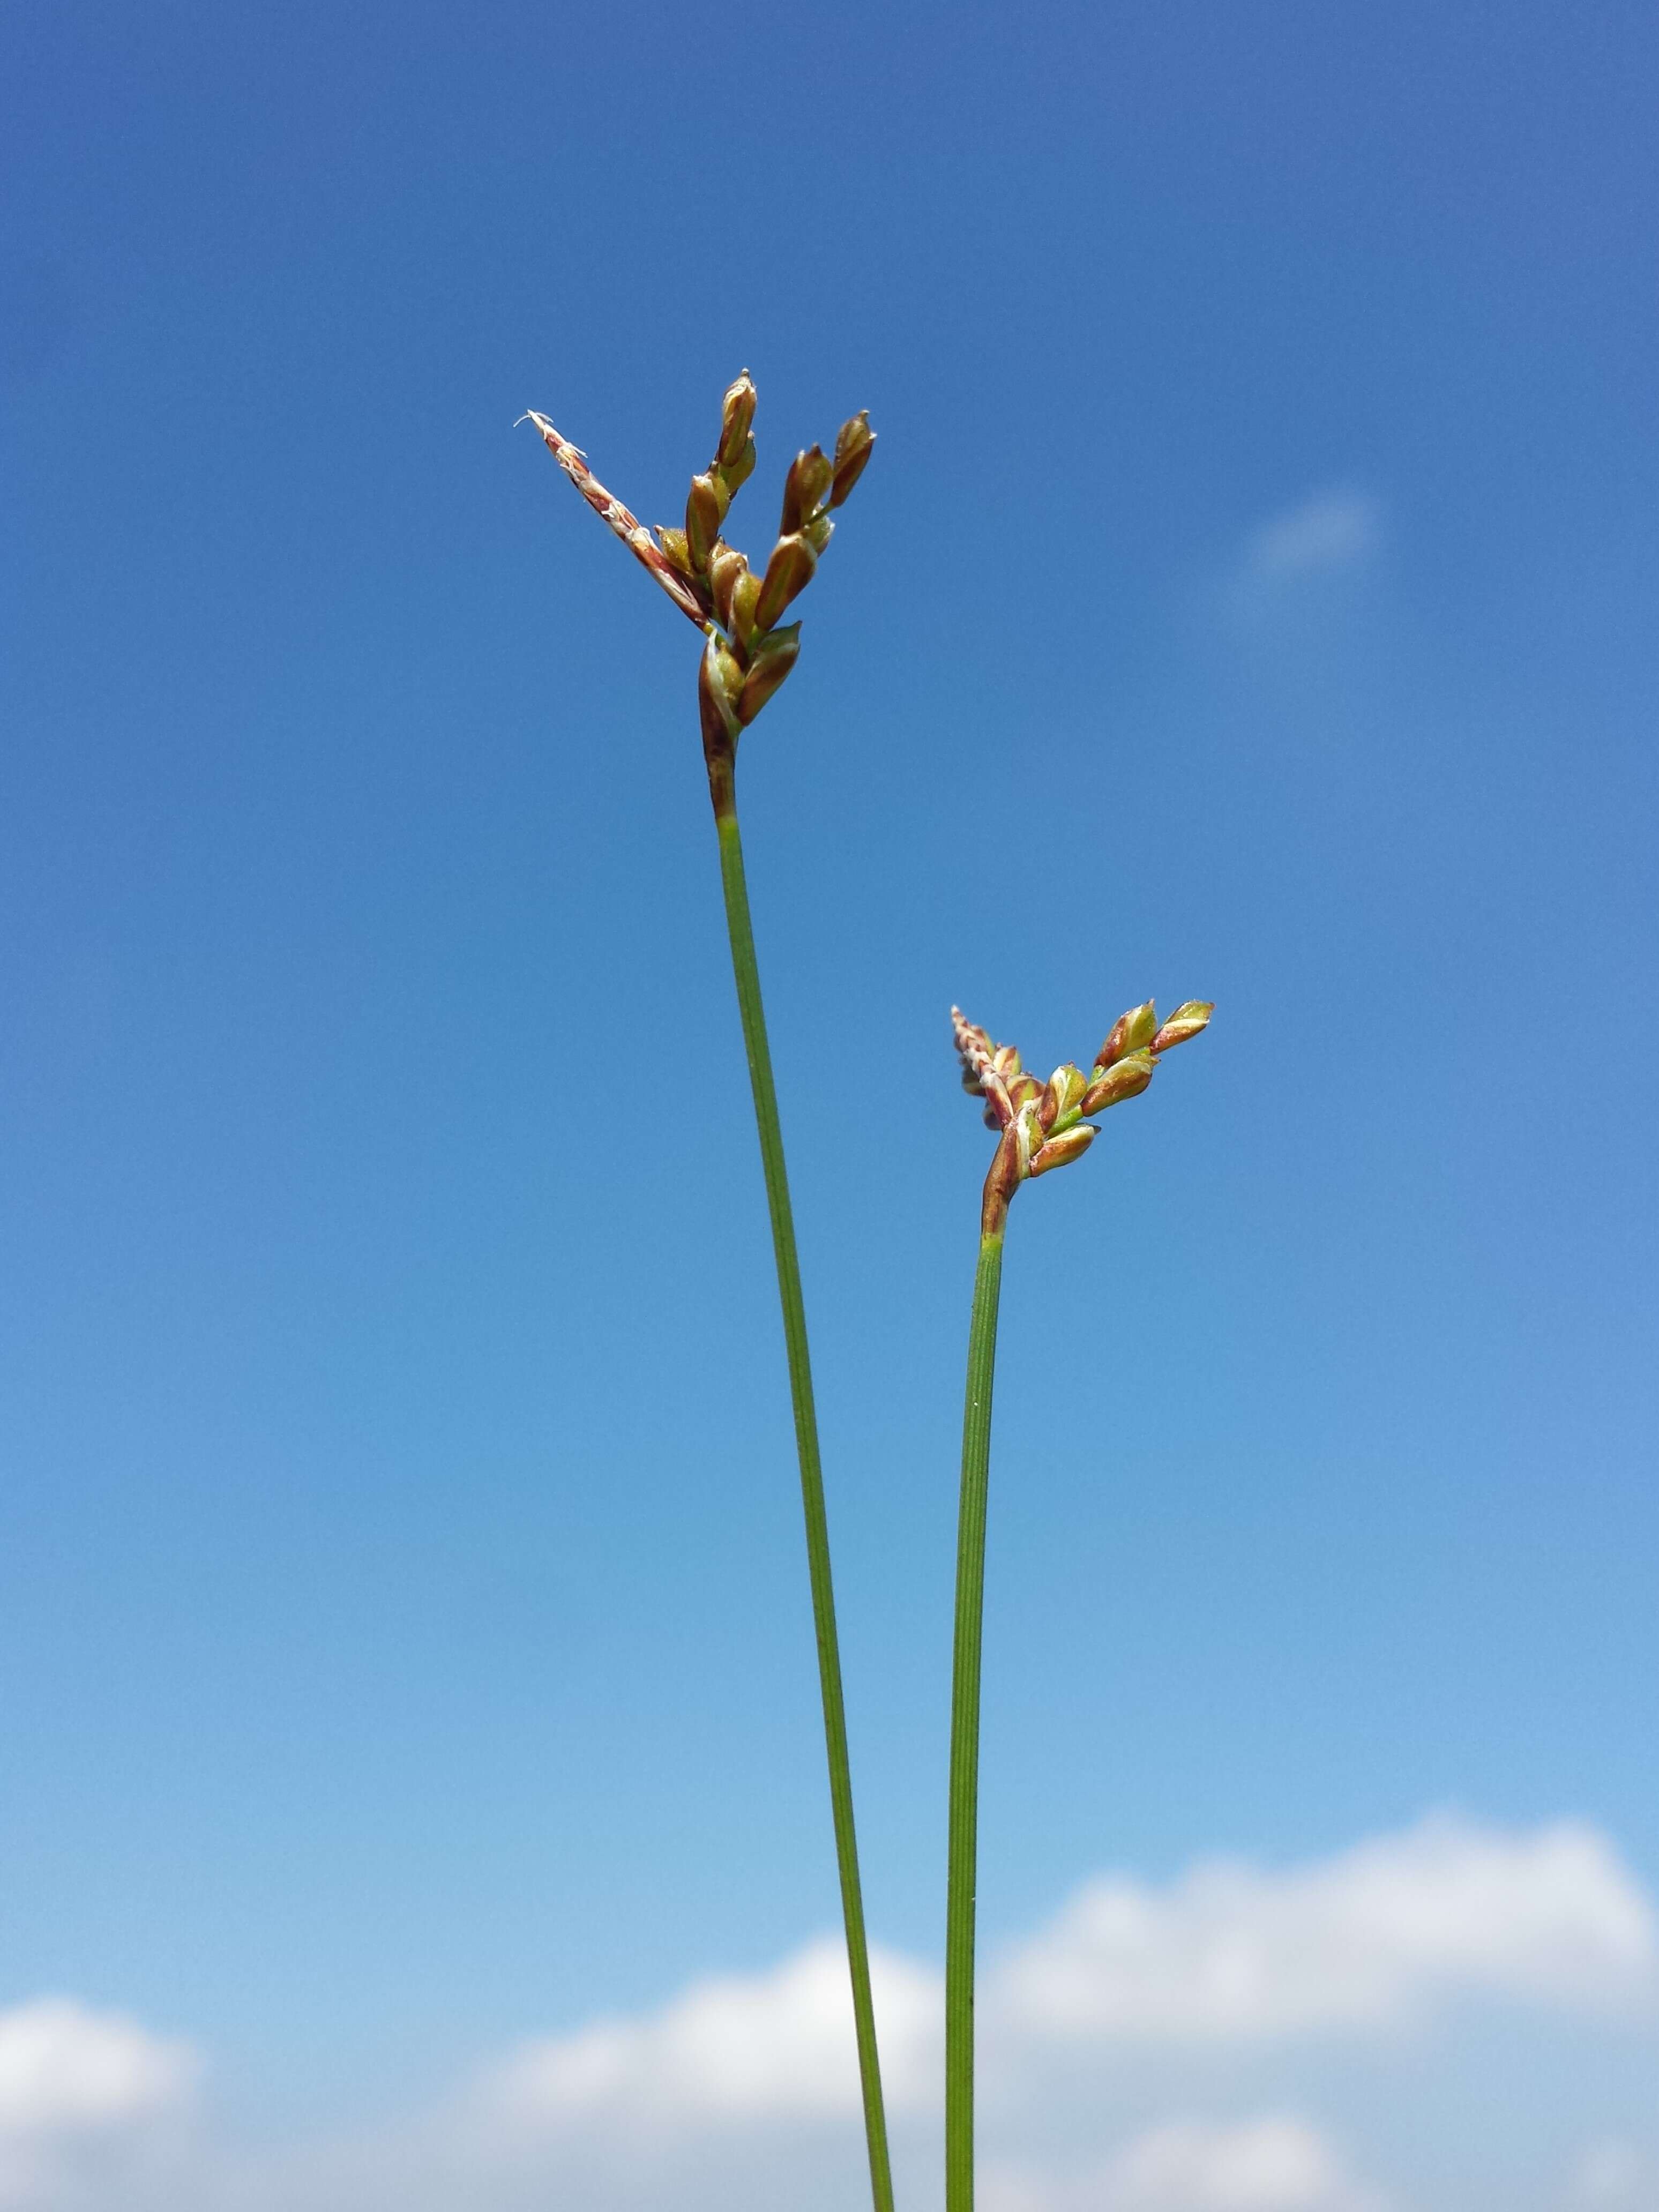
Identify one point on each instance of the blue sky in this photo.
(403, 1629)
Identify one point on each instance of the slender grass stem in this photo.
(747, 974)
(963, 1852)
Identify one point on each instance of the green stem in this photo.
(964, 1732)
(747, 974)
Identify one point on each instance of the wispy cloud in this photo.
(1335, 531)
(1612, 2175)
(1332, 530)
(741, 2090)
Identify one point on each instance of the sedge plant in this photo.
(748, 653)
(1040, 1127)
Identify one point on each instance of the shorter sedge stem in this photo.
(746, 972)
(963, 1852)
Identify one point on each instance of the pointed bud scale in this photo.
(674, 545)
(686, 592)
(1025, 1091)
(1028, 1137)
(726, 565)
(804, 488)
(715, 735)
(817, 473)
(854, 448)
(788, 571)
(848, 474)
(705, 511)
(775, 656)
(1125, 1078)
(735, 474)
(1186, 1022)
(853, 435)
(716, 701)
(745, 597)
(725, 672)
(737, 418)
(1059, 1152)
(1129, 1032)
(999, 1107)
(1064, 1095)
(1005, 1058)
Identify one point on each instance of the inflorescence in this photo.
(749, 653)
(1042, 1124)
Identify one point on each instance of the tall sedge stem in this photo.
(964, 1731)
(747, 976)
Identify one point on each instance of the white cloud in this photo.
(1226, 1954)
(1374, 1936)
(741, 2091)
(1270, 2164)
(1614, 2176)
(762, 2045)
(80, 2093)
(1333, 530)
(1263, 2166)
(65, 2068)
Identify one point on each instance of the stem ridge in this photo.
(746, 974)
(962, 1881)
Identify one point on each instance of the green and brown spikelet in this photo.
(749, 653)
(1041, 1125)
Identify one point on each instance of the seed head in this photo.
(1063, 1099)
(1059, 1152)
(1186, 1022)
(1041, 1124)
(1125, 1078)
(809, 479)
(737, 419)
(745, 597)
(720, 684)
(1129, 1032)
(726, 568)
(705, 511)
(773, 656)
(788, 573)
(853, 446)
(673, 544)
(711, 582)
